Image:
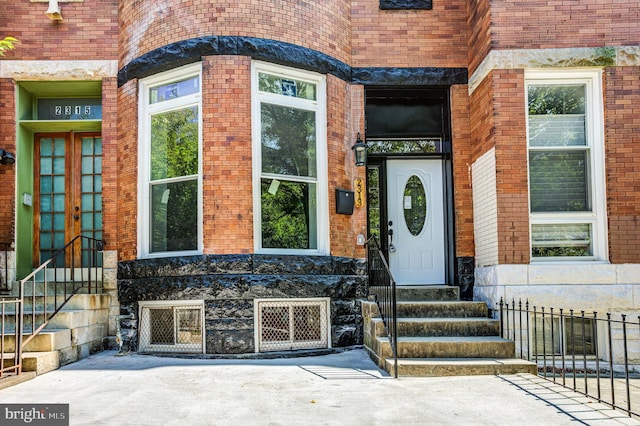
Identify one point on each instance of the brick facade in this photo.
(7, 174)
(88, 32)
(479, 50)
(622, 151)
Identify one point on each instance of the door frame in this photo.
(72, 222)
(380, 162)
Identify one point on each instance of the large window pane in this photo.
(288, 215)
(174, 144)
(288, 141)
(559, 181)
(553, 240)
(174, 216)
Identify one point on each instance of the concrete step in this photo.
(63, 319)
(427, 327)
(77, 301)
(45, 341)
(450, 309)
(420, 367)
(38, 362)
(421, 292)
(448, 347)
(59, 339)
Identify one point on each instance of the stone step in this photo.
(426, 327)
(63, 319)
(420, 367)
(56, 339)
(53, 287)
(38, 362)
(77, 301)
(421, 292)
(451, 309)
(45, 341)
(448, 347)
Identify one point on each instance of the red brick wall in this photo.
(622, 153)
(479, 30)
(409, 38)
(481, 121)
(320, 25)
(7, 172)
(498, 120)
(88, 31)
(511, 166)
(527, 24)
(227, 148)
(343, 122)
(461, 138)
(127, 167)
(110, 162)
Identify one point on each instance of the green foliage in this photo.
(174, 154)
(554, 99)
(7, 43)
(285, 215)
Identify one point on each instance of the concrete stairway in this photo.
(75, 332)
(439, 335)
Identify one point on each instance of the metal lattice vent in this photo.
(287, 324)
(172, 327)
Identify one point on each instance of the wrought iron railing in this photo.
(75, 267)
(593, 355)
(381, 279)
(10, 340)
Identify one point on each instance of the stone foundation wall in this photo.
(228, 284)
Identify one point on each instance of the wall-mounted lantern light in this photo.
(360, 150)
(6, 157)
(54, 11)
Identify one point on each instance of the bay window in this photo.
(169, 163)
(566, 190)
(289, 134)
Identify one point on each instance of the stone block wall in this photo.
(228, 284)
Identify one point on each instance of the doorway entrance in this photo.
(67, 193)
(415, 225)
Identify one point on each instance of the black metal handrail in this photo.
(566, 346)
(380, 277)
(77, 266)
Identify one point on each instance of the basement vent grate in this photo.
(172, 326)
(288, 324)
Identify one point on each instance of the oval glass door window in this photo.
(415, 205)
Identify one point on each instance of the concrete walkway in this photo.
(337, 389)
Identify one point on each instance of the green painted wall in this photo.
(24, 167)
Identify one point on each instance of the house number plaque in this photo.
(69, 109)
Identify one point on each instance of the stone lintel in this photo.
(58, 70)
(579, 57)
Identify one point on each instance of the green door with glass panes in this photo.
(67, 193)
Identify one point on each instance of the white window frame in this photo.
(145, 111)
(319, 106)
(322, 303)
(594, 132)
(144, 328)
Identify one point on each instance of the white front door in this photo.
(415, 205)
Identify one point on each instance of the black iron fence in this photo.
(381, 282)
(595, 355)
(75, 267)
